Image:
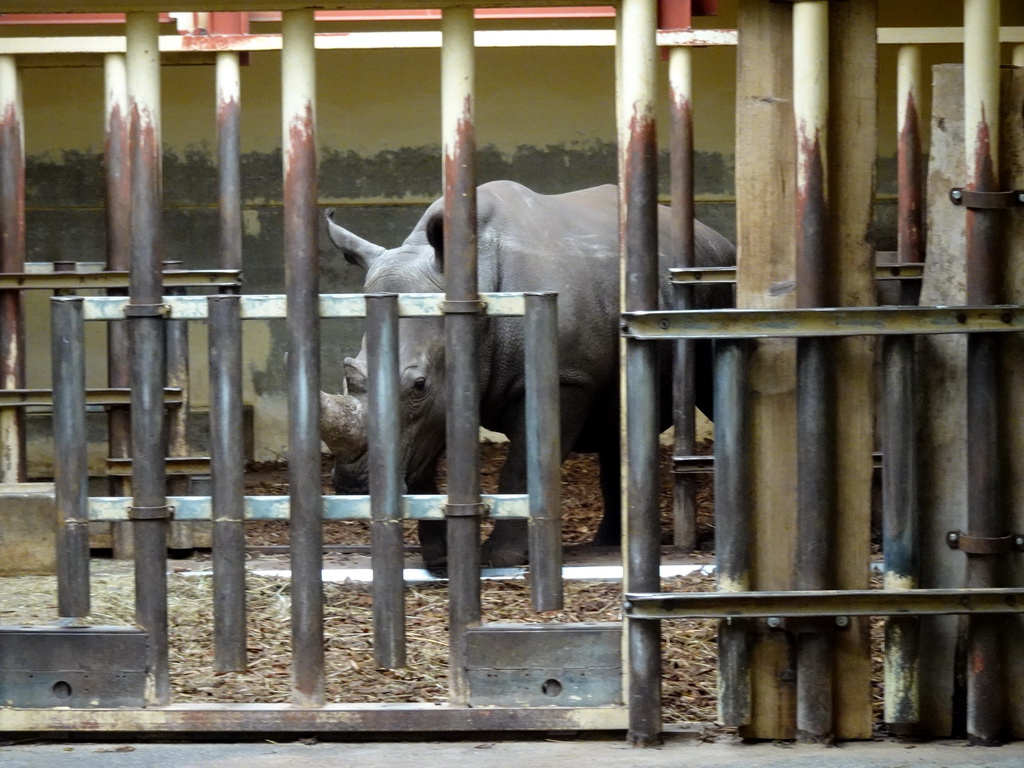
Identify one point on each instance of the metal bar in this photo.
(180, 535)
(733, 524)
(227, 464)
(458, 116)
(680, 75)
(842, 321)
(638, 151)
(910, 174)
(63, 267)
(298, 82)
(12, 259)
(822, 603)
(93, 396)
(336, 718)
(901, 526)
(175, 465)
(727, 275)
(386, 479)
(117, 166)
(56, 281)
(71, 465)
(229, 96)
(544, 450)
(986, 711)
(509, 506)
(815, 399)
(148, 349)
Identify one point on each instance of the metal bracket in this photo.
(797, 625)
(980, 545)
(474, 307)
(147, 310)
(165, 512)
(986, 200)
(466, 510)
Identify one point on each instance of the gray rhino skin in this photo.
(567, 243)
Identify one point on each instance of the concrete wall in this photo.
(545, 118)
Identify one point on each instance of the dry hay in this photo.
(351, 673)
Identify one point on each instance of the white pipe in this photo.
(981, 83)
(810, 82)
(908, 83)
(298, 78)
(458, 77)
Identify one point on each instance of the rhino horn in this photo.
(354, 248)
(343, 425)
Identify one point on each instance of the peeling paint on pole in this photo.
(910, 234)
(12, 259)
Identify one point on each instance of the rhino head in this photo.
(413, 267)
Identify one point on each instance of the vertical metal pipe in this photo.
(1018, 56)
(298, 83)
(815, 398)
(385, 469)
(680, 78)
(900, 526)
(12, 259)
(181, 533)
(117, 165)
(458, 74)
(227, 464)
(910, 177)
(986, 715)
(148, 350)
(543, 450)
(71, 468)
(732, 523)
(637, 142)
(229, 94)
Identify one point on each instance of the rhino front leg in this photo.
(508, 544)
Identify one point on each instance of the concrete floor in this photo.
(582, 751)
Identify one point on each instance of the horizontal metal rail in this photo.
(272, 307)
(55, 281)
(804, 323)
(727, 275)
(414, 507)
(15, 398)
(868, 602)
(701, 465)
(331, 718)
(176, 465)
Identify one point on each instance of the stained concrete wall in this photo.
(545, 118)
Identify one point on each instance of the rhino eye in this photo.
(420, 384)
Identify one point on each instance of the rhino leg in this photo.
(434, 546)
(508, 544)
(609, 532)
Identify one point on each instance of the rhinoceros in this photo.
(527, 241)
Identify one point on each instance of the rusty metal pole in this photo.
(639, 220)
(680, 79)
(910, 174)
(302, 266)
(815, 396)
(12, 259)
(117, 165)
(458, 75)
(181, 536)
(229, 95)
(147, 350)
(986, 713)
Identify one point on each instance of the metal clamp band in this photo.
(474, 307)
(980, 545)
(986, 200)
(151, 513)
(466, 510)
(147, 310)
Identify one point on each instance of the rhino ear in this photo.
(354, 248)
(435, 236)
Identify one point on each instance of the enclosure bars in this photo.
(815, 389)
(680, 75)
(12, 259)
(385, 475)
(147, 341)
(227, 466)
(986, 715)
(298, 112)
(638, 220)
(461, 307)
